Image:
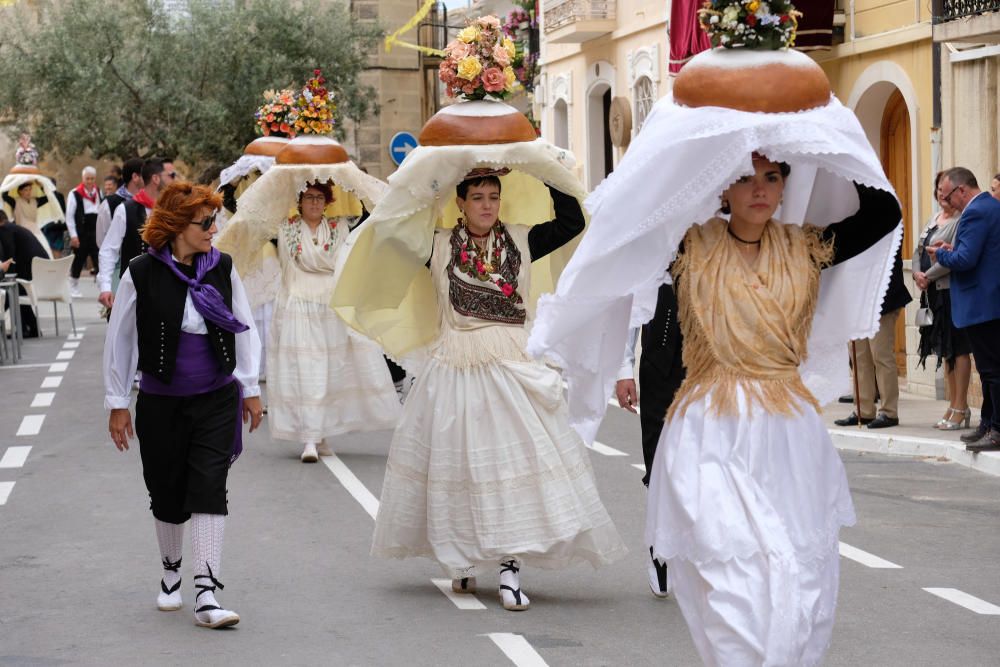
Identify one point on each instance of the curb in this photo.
(905, 445)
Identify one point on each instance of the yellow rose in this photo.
(508, 44)
(469, 34)
(753, 6)
(509, 77)
(469, 68)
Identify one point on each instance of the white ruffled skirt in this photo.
(746, 512)
(323, 381)
(484, 465)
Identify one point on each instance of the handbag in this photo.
(925, 316)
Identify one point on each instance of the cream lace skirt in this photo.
(484, 465)
(746, 511)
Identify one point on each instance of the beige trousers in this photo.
(877, 368)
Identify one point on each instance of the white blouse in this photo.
(121, 345)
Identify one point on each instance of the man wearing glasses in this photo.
(122, 242)
(974, 261)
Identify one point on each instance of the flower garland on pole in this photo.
(750, 24)
(521, 25)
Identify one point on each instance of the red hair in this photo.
(176, 208)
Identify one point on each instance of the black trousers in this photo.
(185, 444)
(985, 340)
(660, 376)
(87, 235)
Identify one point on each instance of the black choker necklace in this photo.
(733, 234)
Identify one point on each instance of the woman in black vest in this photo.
(179, 318)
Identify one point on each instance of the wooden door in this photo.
(896, 160)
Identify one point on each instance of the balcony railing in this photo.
(559, 13)
(949, 10)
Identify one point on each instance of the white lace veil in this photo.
(670, 179)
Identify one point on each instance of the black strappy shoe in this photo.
(514, 599)
(211, 615)
(169, 599)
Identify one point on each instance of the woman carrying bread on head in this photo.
(748, 199)
(182, 318)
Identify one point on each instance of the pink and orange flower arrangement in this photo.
(277, 116)
(315, 107)
(479, 62)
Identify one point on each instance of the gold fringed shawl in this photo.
(746, 326)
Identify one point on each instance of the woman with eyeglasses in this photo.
(322, 380)
(181, 316)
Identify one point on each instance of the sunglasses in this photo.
(205, 224)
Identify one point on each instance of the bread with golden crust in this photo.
(756, 81)
(266, 146)
(479, 122)
(312, 149)
(26, 169)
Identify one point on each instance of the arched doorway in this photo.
(897, 161)
(600, 158)
(560, 124)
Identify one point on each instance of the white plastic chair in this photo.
(49, 283)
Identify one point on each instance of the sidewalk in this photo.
(915, 435)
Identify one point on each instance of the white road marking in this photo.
(59, 367)
(31, 425)
(71, 346)
(21, 367)
(76, 336)
(353, 485)
(639, 466)
(462, 600)
(52, 381)
(14, 457)
(970, 602)
(867, 559)
(65, 354)
(517, 648)
(5, 489)
(601, 448)
(43, 399)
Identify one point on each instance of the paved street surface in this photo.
(79, 569)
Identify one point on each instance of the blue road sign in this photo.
(400, 146)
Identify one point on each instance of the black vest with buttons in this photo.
(132, 243)
(159, 312)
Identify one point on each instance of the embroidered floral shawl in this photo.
(484, 298)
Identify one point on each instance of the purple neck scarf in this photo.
(206, 299)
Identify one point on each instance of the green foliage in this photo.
(127, 78)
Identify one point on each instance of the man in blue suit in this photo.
(974, 261)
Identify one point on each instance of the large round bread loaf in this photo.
(26, 169)
(478, 122)
(266, 146)
(748, 80)
(312, 149)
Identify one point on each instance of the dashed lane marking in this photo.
(21, 367)
(65, 355)
(31, 425)
(639, 466)
(71, 345)
(970, 602)
(517, 649)
(461, 600)
(14, 457)
(867, 559)
(351, 482)
(43, 399)
(59, 367)
(601, 448)
(52, 381)
(5, 489)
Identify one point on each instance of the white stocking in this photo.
(207, 531)
(170, 537)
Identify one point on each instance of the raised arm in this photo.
(554, 234)
(877, 216)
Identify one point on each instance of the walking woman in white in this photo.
(484, 470)
(323, 380)
(29, 199)
(747, 494)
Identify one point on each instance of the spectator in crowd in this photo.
(941, 336)
(21, 246)
(876, 360)
(995, 186)
(974, 260)
(123, 242)
(109, 185)
(81, 221)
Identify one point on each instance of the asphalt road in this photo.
(79, 569)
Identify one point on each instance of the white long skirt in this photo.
(484, 465)
(323, 381)
(746, 512)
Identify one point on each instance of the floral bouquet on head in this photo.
(276, 117)
(315, 107)
(751, 24)
(478, 63)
